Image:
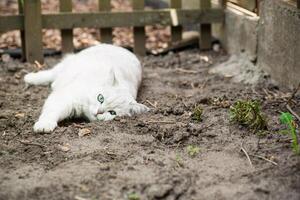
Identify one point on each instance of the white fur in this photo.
(79, 78)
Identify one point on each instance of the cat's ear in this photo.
(137, 108)
(112, 78)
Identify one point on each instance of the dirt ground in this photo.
(146, 157)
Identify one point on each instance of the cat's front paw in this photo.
(105, 117)
(137, 108)
(30, 78)
(44, 126)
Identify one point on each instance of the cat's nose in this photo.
(100, 112)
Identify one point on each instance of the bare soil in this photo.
(146, 157)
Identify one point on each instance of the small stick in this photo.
(247, 155)
(293, 94)
(184, 104)
(187, 71)
(79, 198)
(293, 113)
(267, 93)
(204, 84)
(32, 143)
(152, 104)
(26, 87)
(263, 158)
(163, 122)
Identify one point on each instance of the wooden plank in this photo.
(116, 19)
(139, 31)
(11, 22)
(247, 4)
(205, 38)
(106, 33)
(223, 3)
(33, 31)
(22, 34)
(176, 31)
(134, 18)
(66, 34)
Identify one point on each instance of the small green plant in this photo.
(197, 113)
(248, 113)
(179, 160)
(133, 196)
(21, 2)
(193, 150)
(288, 119)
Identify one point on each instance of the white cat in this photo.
(99, 83)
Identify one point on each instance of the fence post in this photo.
(205, 29)
(66, 34)
(33, 31)
(298, 4)
(223, 3)
(105, 33)
(176, 31)
(139, 32)
(21, 11)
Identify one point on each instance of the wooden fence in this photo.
(31, 21)
(251, 5)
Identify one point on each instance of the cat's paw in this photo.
(44, 126)
(105, 117)
(137, 108)
(29, 78)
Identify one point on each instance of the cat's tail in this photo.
(45, 77)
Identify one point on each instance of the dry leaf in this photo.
(5, 58)
(38, 65)
(65, 147)
(79, 198)
(83, 132)
(83, 188)
(78, 125)
(204, 58)
(17, 76)
(20, 115)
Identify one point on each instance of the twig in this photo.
(162, 122)
(187, 71)
(26, 87)
(32, 143)
(263, 158)
(293, 113)
(152, 104)
(267, 93)
(293, 94)
(204, 84)
(247, 155)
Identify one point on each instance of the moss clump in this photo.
(197, 113)
(133, 196)
(248, 113)
(193, 150)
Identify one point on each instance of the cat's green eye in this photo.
(112, 112)
(100, 98)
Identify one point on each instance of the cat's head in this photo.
(109, 103)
